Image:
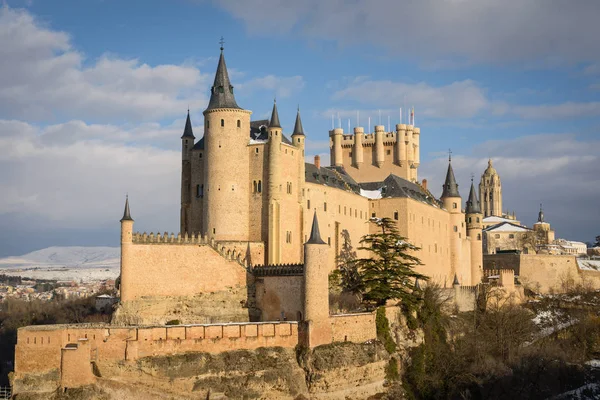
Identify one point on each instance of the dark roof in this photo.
(450, 186)
(258, 131)
(473, 206)
(187, 131)
(455, 280)
(221, 93)
(298, 130)
(315, 235)
(274, 123)
(330, 176)
(126, 213)
(394, 186)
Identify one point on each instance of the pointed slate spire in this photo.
(455, 283)
(221, 93)
(541, 214)
(473, 206)
(450, 185)
(274, 123)
(315, 235)
(126, 213)
(298, 130)
(417, 284)
(187, 131)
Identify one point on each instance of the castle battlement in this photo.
(278, 270)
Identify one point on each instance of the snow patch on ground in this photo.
(588, 265)
(589, 391)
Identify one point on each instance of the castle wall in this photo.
(164, 269)
(345, 211)
(259, 205)
(356, 328)
(104, 343)
(290, 217)
(278, 296)
(542, 272)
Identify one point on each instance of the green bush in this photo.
(383, 330)
(173, 322)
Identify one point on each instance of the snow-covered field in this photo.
(65, 263)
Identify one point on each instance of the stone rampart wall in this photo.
(356, 328)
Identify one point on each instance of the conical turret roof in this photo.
(315, 235)
(541, 214)
(274, 122)
(187, 131)
(221, 93)
(473, 206)
(450, 185)
(298, 130)
(126, 213)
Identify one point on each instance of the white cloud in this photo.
(510, 31)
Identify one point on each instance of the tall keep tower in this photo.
(275, 188)
(490, 192)
(227, 168)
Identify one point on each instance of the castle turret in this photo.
(275, 188)
(298, 138)
(544, 234)
(474, 232)
(416, 153)
(379, 150)
(187, 142)
(316, 288)
(490, 192)
(451, 201)
(336, 136)
(126, 243)
(357, 151)
(226, 135)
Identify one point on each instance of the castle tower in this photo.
(545, 234)
(316, 288)
(416, 154)
(187, 142)
(126, 243)
(379, 150)
(227, 168)
(451, 201)
(474, 231)
(490, 192)
(401, 158)
(357, 151)
(298, 139)
(275, 189)
(336, 137)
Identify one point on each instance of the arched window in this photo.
(259, 186)
(222, 122)
(207, 124)
(479, 236)
(477, 219)
(454, 205)
(469, 219)
(396, 215)
(455, 228)
(239, 123)
(255, 186)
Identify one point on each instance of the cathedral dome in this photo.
(490, 170)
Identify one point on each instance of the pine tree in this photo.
(346, 275)
(389, 272)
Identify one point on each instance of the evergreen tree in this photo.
(597, 244)
(389, 272)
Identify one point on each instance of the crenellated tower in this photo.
(275, 188)
(474, 232)
(298, 140)
(490, 192)
(452, 201)
(227, 171)
(187, 142)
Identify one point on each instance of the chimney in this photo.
(317, 161)
(424, 184)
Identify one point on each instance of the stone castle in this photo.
(260, 233)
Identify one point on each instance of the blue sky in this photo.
(93, 96)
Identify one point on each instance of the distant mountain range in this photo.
(65, 257)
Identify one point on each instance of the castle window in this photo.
(329, 241)
(350, 154)
(455, 228)
(186, 142)
(477, 219)
(308, 204)
(344, 210)
(511, 236)
(239, 123)
(388, 152)
(339, 209)
(255, 186)
(373, 215)
(324, 206)
(469, 219)
(221, 89)
(199, 190)
(259, 186)
(479, 236)
(256, 150)
(360, 214)
(207, 124)
(355, 213)
(222, 122)
(214, 231)
(435, 248)
(497, 236)
(396, 215)
(454, 205)
(200, 156)
(288, 237)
